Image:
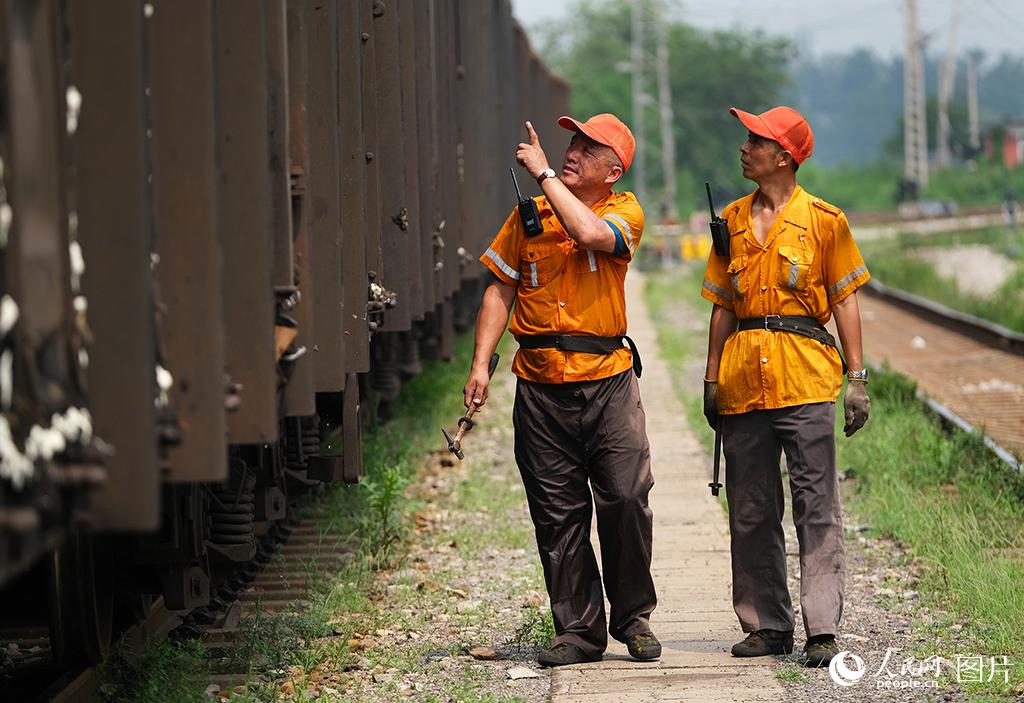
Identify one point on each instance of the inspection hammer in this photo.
(466, 421)
(715, 486)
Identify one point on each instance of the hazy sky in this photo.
(824, 26)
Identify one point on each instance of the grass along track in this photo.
(907, 262)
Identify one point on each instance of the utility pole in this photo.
(947, 79)
(972, 104)
(639, 100)
(915, 126)
(668, 139)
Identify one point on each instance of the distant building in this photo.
(1006, 142)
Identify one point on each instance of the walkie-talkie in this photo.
(719, 227)
(527, 211)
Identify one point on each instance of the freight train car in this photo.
(229, 230)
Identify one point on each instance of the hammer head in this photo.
(454, 446)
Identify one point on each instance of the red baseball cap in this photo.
(783, 124)
(605, 129)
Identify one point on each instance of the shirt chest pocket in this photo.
(539, 264)
(794, 267)
(737, 274)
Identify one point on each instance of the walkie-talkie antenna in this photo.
(719, 227)
(519, 194)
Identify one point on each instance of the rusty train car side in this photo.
(229, 230)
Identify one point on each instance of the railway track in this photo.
(972, 367)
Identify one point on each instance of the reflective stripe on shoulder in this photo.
(505, 268)
(717, 290)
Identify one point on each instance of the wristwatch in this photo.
(545, 174)
(861, 375)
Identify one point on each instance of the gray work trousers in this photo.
(753, 443)
(565, 435)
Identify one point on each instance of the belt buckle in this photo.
(558, 342)
(766, 319)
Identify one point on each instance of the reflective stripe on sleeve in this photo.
(845, 280)
(717, 290)
(624, 228)
(593, 263)
(620, 241)
(505, 268)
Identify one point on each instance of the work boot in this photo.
(819, 650)
(764, 642)
(562, 654)
(644, 647)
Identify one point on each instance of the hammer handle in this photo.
(466, 421)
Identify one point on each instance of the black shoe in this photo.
(644, 647)
(764, 642)
(562, 654)
(819, 650)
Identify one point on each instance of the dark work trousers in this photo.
(566, 434)
(753, 443)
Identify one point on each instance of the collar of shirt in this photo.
(796, 213)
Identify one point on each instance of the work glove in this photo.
(711, 403)
(856, 405)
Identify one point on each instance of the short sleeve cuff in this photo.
(848, 284)
(499, 267)
(623, 232)
(716, 294)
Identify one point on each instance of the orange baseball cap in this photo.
(783, 124)
(605, 129)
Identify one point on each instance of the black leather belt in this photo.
(584, 344)
(797, 324)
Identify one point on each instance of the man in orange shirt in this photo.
(772, 378)
(577, 413)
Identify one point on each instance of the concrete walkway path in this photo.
(694, 620)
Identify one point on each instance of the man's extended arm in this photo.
(847, 314)
(579, 221)
(723, 323)
(490, 325)
(856, 404)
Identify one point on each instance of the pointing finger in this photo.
(533, 135)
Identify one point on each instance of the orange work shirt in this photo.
(562, 288)
(807, 263)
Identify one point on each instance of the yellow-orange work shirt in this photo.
(808, 263)
(564, 289)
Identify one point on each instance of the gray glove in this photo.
(856, 405)
(711, 403)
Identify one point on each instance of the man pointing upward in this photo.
(579, 423)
